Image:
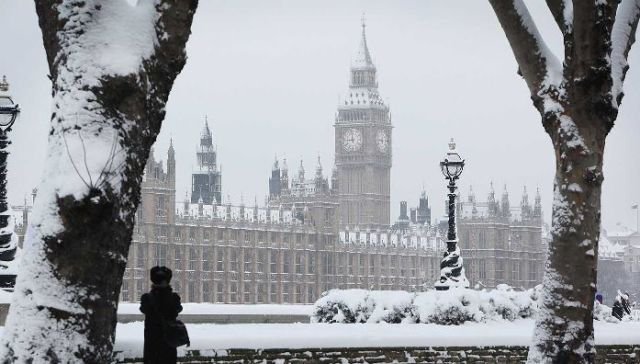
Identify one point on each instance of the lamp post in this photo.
(451, 269)
(8, 240)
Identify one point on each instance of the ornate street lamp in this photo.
(451, 269)
(8, 240)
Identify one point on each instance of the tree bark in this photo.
(577, 110)
(66, 296)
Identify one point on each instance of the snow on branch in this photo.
(622, 38)
(537, 64)
(562, 11)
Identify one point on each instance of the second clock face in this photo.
(382, 140)
(352, 140)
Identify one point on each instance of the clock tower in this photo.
(363, 147)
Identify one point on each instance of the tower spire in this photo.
(363, 57)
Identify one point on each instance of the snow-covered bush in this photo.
(343, 306)
(393, 307)
(452, 307)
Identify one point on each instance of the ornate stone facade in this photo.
(249, 254)
(319, 233)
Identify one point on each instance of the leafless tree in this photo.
(578, 101)
(112, 65)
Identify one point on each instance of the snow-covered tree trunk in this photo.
(578, 102)
(112, 65)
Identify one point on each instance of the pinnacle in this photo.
(363, 57)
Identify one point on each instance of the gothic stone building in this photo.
(248, 254)
(501, 243)
(315, 234)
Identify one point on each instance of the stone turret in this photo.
(185, 204)
(275, 181)
(472, 200)
(171, 164)
(525, 208)
(492, 203)
(301, 172)
(319, 178)
(334, 181)
(504, 202)
(537, 207)
(423, 212)
(284, 178)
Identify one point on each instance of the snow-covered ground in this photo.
(129, 337)
(227, 309)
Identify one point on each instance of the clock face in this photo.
(352, 140)
(382, 140)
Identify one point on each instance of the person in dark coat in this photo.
(158, 306)
(621, 306)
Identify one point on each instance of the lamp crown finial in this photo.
(452, 144)
(4, 85)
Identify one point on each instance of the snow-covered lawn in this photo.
(227, 309)
(129, 337)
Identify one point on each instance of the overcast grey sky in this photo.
(269, 74)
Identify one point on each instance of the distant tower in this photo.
(275, 181)
(423, 215)
(171, 165)
(363, 147)
(206, 181)
(402, 224)
(321, 183)
(472, 201)
(537, 207)
(318, 176)
(506, 209)
(185, 204)
(301, 172)
(525, 208)
(334, 181)
(284, 178)
(491, 202)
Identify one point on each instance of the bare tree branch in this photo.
(562, 11)
(623, 36)
(84, 156)
(49, 22)
(539, 67)
(73, 164)
(107, 168)
(173, 28)
(595, 19)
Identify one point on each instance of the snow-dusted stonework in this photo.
(491, 340)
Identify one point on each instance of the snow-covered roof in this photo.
(607, 249)
(363, 97)
(482, 211)
(423, 238)
(235, 213)
(620, 231)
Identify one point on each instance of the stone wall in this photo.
(502, 355)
